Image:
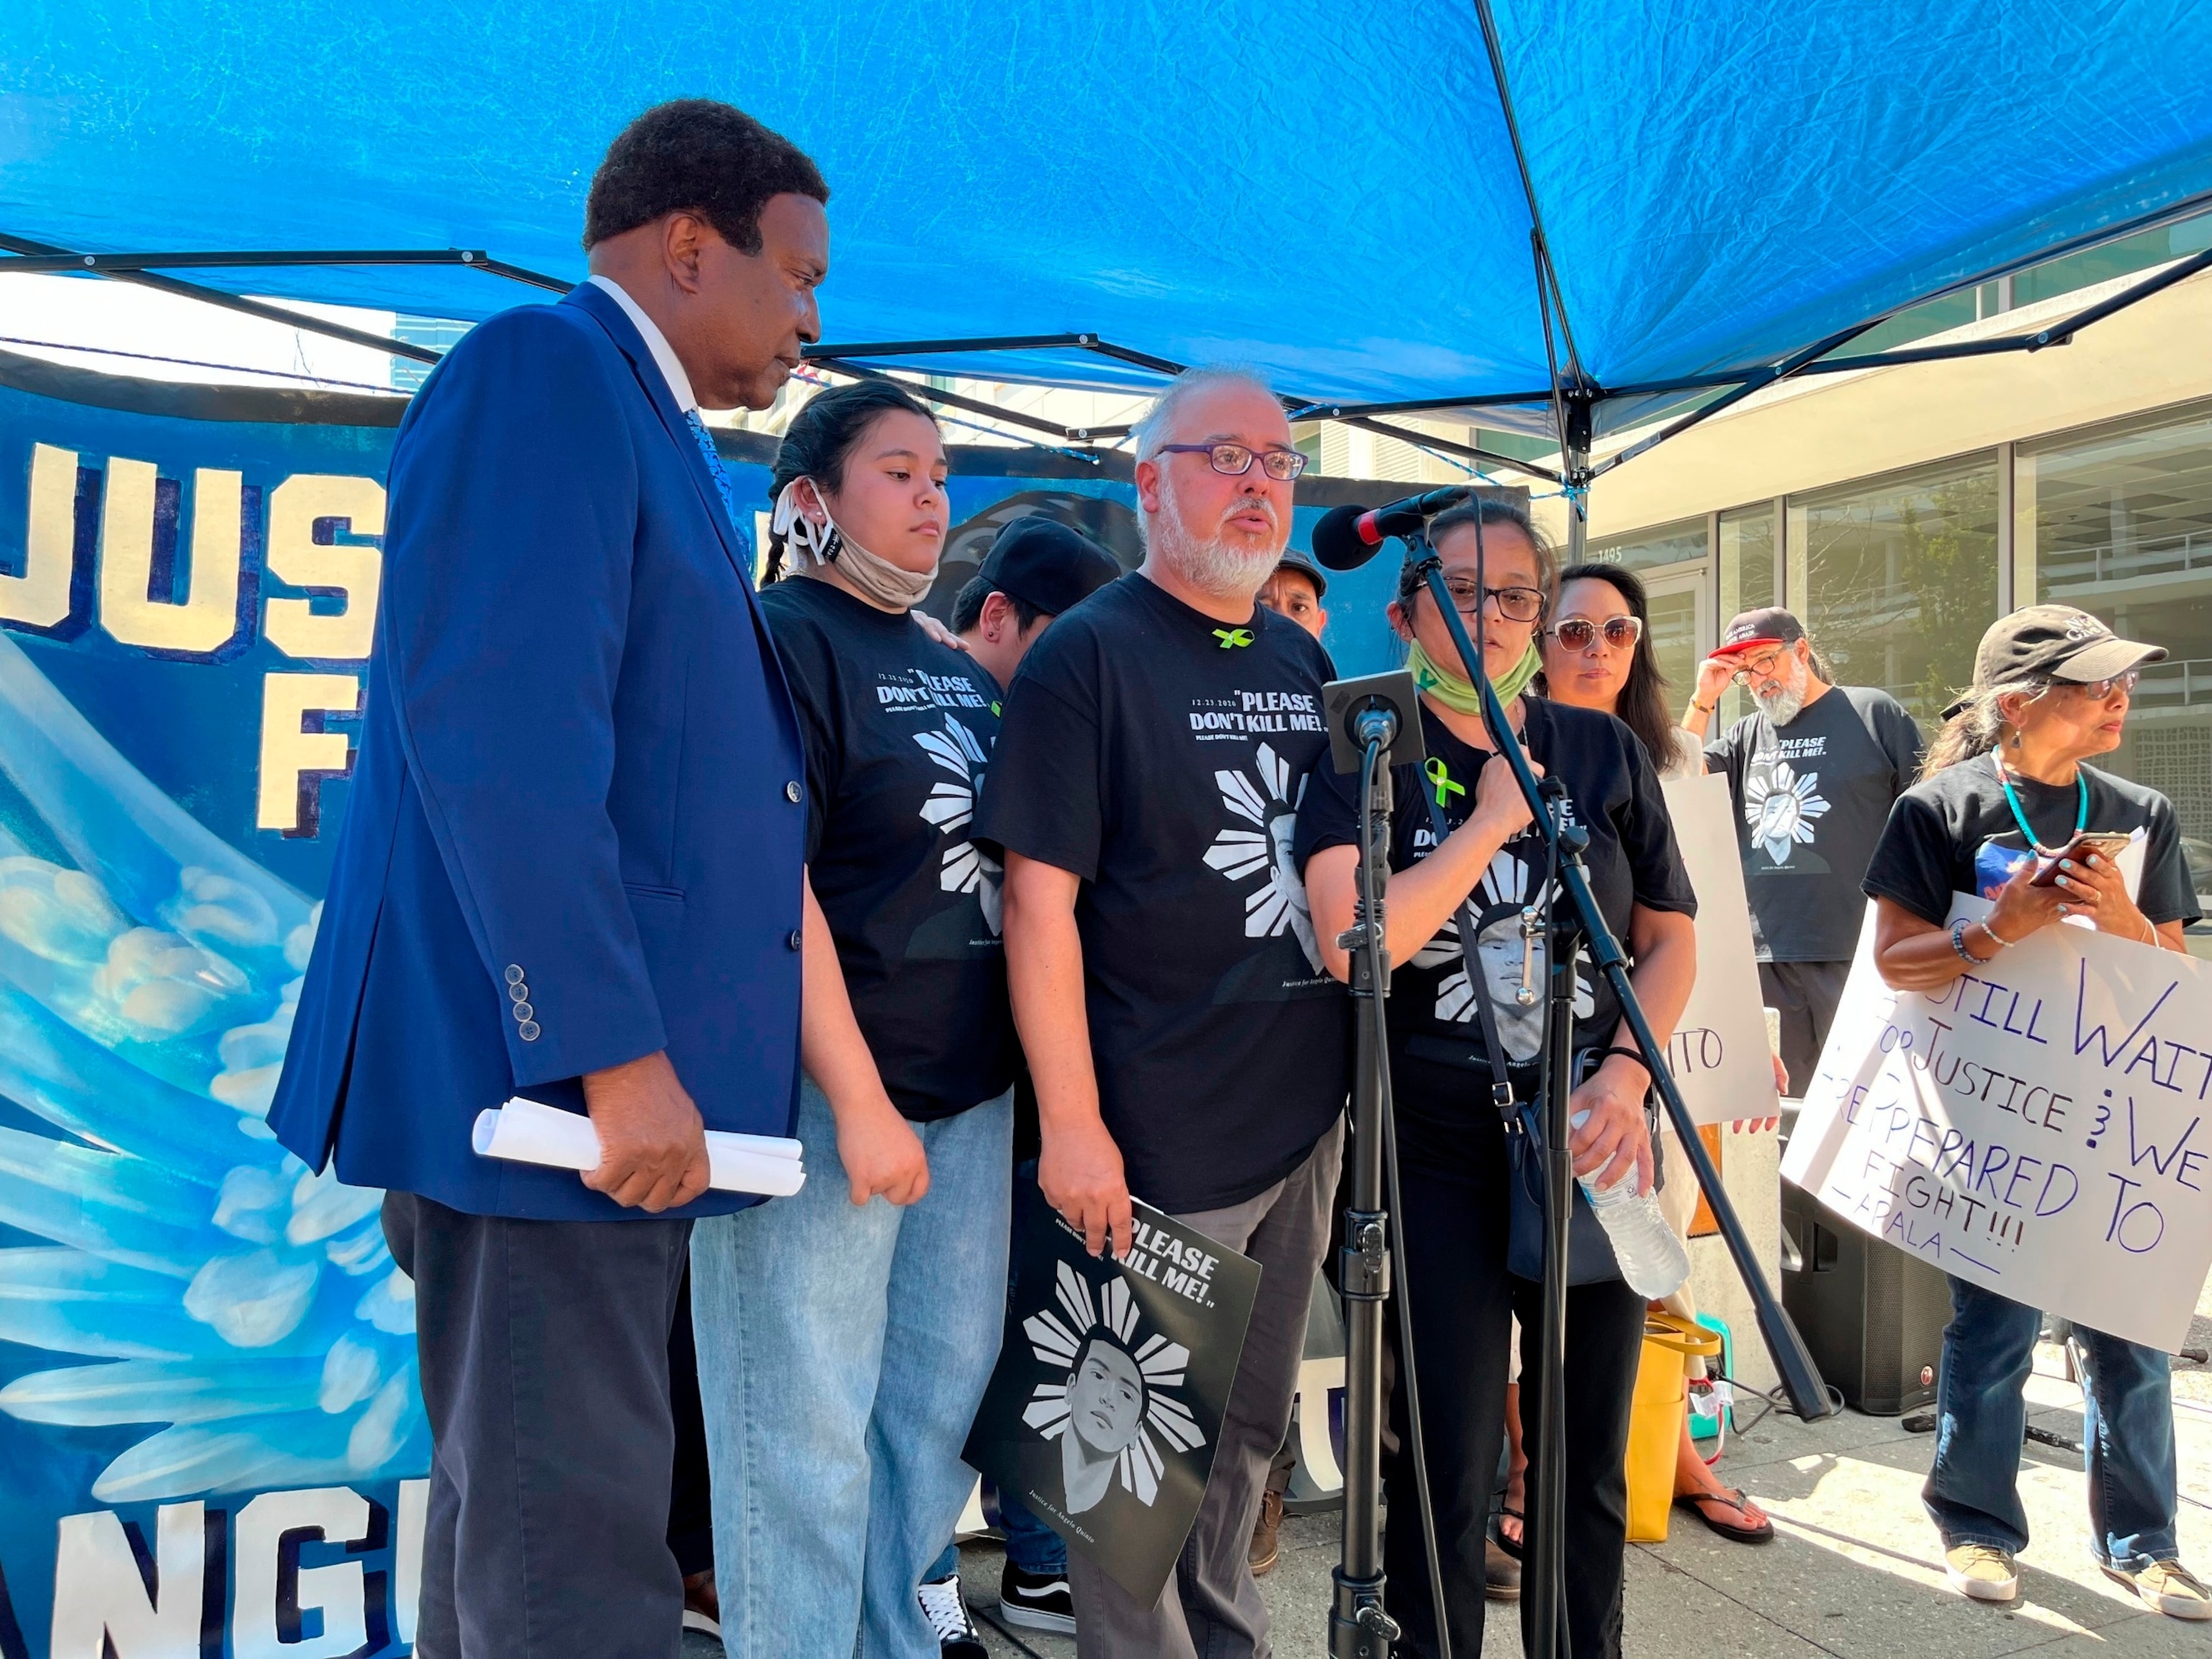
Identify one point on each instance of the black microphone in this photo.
(1348, 536)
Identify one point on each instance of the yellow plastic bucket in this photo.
(1655, 1423)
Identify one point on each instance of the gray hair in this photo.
(1978, 726)
(1158, 423)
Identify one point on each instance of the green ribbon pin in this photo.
(1440, 775)
(1233, 637)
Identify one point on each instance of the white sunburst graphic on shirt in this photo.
(1272, 809)
(1780, 807)
(964, 867)
(1110, 1319)
(1501, 895)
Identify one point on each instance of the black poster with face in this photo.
(1106, 1406)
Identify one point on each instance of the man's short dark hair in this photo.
(967, 607)
(696, 156)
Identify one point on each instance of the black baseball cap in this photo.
(1298, 559)
(2058, 640)
(1048, 564)
(1754, 630)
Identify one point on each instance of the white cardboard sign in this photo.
(2039, 1127)
(1718, 1055)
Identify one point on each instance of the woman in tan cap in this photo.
(2003, 793)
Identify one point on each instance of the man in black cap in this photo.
(1295, 591)
(1814, 769)
(1036, 569)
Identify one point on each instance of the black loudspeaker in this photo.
(1872, 1315)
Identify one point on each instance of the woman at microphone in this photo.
(845, 1334)
(1598, 655)
(1463, 847)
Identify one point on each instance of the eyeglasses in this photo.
(2102, 691)
(1521, 604)
(1621, 633)
(1759, 668)
(1235, 460)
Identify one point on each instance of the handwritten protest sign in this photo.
(1718, 1055)
(2038, 1127)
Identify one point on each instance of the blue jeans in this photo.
(842, 1353)
(2127, 1432)
(1031, 1546)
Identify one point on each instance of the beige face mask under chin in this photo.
(879, 580)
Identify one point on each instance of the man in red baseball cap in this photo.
(1813, 768)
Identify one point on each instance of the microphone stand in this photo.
(1578, 925)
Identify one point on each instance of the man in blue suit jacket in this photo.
(570, 869)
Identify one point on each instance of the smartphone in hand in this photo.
(2105, 843)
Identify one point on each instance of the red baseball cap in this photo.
(1754, 630)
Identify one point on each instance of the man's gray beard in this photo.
(1216, 565)
(1786, 704)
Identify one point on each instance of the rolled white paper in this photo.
(526, 1131)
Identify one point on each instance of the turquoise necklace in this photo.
(2020, 817)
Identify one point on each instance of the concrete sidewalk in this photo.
(1855, 1571)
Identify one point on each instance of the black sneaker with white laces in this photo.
(941, 1604)
(1039, 1601)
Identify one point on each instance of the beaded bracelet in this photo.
(1958, 944)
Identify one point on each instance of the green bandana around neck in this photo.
(1460, 696)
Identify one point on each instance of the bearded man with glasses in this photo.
(1188, 1046)
(1814, 769)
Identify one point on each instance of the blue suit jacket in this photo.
(575, 829)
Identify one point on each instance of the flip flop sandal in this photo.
(1732, 1497)
(1511, 1546)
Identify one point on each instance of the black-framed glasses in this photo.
(1235, 460)
(1759, 668)
(1621, 633)
(1521, 604)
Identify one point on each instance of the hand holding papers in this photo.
(527, 1133)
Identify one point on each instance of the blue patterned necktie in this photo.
(722, 477)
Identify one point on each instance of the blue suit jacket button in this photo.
(791, 791)
(514, 974)
(523, 1011)
(527, 1030)
(796, 941)
(518, 991)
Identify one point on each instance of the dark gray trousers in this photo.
(545, 1361)
(1210, 1607)
(1805, 994)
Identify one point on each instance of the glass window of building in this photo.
(1895, 577)
(2118, 520)
(1671, 559)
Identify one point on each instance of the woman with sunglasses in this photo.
(1598, 655)
(1466, 857)
(2003, 792)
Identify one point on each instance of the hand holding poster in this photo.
(1719, 1054)
(1106, 1406)
(2037, 1128)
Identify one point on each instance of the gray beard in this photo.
(1783, 707)
(1215, 567)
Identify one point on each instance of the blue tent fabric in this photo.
(1322, 187)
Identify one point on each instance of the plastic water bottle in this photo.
(1652, 1259)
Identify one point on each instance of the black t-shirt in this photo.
(1161, 755)
(1956, 834)
(897, 731)
(1811, 798)
(1632, 860)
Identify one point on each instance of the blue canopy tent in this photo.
(1344, 196)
